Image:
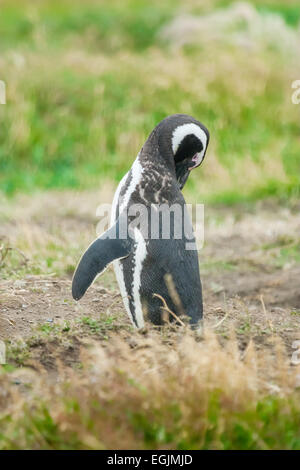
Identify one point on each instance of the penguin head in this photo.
(184, 140)
(189, 144)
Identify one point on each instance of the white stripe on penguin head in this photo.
(186, 129)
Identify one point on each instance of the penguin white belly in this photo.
(118, 268)
(139, 258)
(133, 307)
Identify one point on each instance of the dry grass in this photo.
(156, 390)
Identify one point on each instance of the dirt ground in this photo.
(250, 269)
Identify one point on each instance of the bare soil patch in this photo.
(250, 268)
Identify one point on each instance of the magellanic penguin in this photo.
(141, 262)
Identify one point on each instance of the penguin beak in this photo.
(196, 161)
(184, 167)
(182, 172)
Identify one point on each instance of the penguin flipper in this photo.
(97, 257)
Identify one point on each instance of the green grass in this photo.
(100, 326)
(289, 11)
(111, 26)
(243, 432)
(284, 250)
(86, 85)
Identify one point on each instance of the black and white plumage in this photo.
(176, 146)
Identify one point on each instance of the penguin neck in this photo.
(157, 151)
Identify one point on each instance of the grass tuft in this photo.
(176, 394)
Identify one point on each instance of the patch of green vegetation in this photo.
(281, 192)
(7, 368)
(94, 325)
(100, 326)
(51, 258)
(214, 265)
(284, 249)
(87, 83)
(17, 353)
(281, 241)
(287, 255)
(43, 424)
(15, 270)
(288, 10)
(295, 312)
(248, 430)
(272, 424)
(50, 328)
(115, 25)
(245, 327)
